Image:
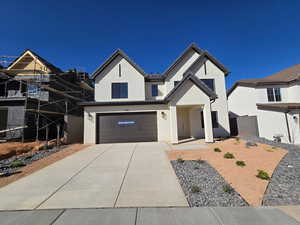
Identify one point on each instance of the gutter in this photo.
(287, 126)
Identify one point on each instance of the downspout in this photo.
(287, 126)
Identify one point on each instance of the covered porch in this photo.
(191, 121)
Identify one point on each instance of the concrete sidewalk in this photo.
(108, 175)
(151, 216)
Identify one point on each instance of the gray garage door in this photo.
(126, 127)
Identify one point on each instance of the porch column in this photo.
(173, 125)
(208, 129)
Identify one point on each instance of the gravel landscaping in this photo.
(284, 186)
(6, 165)
(204, 186)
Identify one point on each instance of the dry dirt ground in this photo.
(242, 179)
(10, 149)
(37, 165)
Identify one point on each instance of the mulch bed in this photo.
(204, 186)
(284, 186)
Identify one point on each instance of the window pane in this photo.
(277, 94)
(209, 83)
(270, 95)
(123, 90)
(119, 90)
(154, 90)
(115, 90)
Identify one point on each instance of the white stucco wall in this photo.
(242, 101)
(163, 124)
(135, 80)
(177, 73)
(161, 90)
(220, 104)
(268, 127)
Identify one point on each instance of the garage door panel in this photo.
(127, 127)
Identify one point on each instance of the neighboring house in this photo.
(274, 100)
(187, 101)
(36, 97)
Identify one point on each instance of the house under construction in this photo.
(38, 101)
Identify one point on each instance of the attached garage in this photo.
(126, 127)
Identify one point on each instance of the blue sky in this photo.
(251, 38)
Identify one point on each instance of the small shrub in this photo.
(227, 188)
(180, 160)
(217, 150)
(228, 155)
(17, 163)
(240, 163)
(200, 161)
(195, 189)
(237, 139)
(263, 175)
(268, 150)
(250, 144)
(274, 147)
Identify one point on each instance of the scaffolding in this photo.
(61, 101)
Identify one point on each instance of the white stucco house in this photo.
(274, 100)
(187, 101)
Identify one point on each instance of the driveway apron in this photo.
(106, 175)
(150, 180)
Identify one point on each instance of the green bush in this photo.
(228, 155)
(217, 150)
(263, 175)
(180, 160)
(268, 150)
(240, 163)
(195, 189)
(227, 188)
(17, 163)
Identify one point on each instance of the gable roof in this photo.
(188, 77)
(49, 65)
(203, 55)
(201, 85)
(285, 76)
(117, 53)
(193, 46)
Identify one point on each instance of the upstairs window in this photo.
(209, 83)
(119, 90)
(154, 90)
(274, 94)
(176, 82)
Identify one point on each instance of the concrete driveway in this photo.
(107, 175)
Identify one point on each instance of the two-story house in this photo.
(187, 101)
(274, 100)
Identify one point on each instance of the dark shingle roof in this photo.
(188, 77)
(111, 58)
